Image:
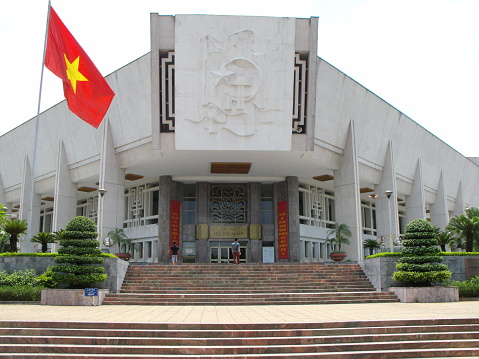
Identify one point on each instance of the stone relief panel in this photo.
(233, 82)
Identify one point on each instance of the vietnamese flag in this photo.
(87, 93)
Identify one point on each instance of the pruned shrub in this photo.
(78, 255)
(20, 293)
(420, 263)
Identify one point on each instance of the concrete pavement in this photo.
(239, 314)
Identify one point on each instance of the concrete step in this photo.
(363, 339)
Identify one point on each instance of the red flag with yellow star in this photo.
(87, 93)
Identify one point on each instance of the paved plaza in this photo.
(240, 314)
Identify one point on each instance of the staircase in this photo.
(346, 340)
(246, 284)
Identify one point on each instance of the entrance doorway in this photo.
(220, 252)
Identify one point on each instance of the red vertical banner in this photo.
(283, 237)
(175, 223)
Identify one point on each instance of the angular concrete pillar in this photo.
(439, 212)
(112, 178)
(415, 202)
(3, 199)
(64, 206)
(387, 208)
(460, 206)
(29, 206)
(346, 195)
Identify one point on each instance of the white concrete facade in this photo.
(233, 91)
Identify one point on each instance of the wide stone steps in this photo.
(246, 284)
(340, 340)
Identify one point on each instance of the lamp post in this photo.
(388, 194)
(101, 192)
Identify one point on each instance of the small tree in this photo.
(420, 263)
(44, 238)
(466, 226)
(78, 254)
(15, 228)
(338, 235)
(118, 237)
(371, 244)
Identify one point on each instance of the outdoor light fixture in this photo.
(102, 191)
(388, 193)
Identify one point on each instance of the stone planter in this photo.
(337, 256)
(426, 294)
(71, 297)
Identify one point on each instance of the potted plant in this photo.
(125, 244)
(371, 244)
(337, 236)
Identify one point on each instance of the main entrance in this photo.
(220, 252)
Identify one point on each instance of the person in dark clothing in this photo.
(174, 253)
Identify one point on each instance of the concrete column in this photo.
(292, 184)
(3, 199)
(460, 205)
(164, 219)
(112, 178)
(202, 198)
(439, 212)
(415, 208)
(255, 246)
(346, 196)
(387, 209)
(26, 207)
(65, 193)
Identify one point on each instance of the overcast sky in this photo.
(421, 56)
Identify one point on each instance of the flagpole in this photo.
(35, 141)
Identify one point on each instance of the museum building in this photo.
(233, 127)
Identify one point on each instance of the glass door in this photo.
(220, 252)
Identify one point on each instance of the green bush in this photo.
(385, 254)
(419, 264)
(17, 254)
(467, 289)
(46, 279)
(79, 251)
(412, 267)
(422, 278)
(20, 293)
(18, 278)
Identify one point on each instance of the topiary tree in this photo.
(79, 252)
(420, 264)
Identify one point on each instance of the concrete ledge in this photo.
(71, 297)
(426, 294)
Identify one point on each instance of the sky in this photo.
(420, 56)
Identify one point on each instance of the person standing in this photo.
(174, 253)
(235, 248)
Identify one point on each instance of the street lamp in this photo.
(102, 192)
(388, 194)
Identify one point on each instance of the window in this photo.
(46, 220)
(316, 206)
(266, 204)
(228, 203)
(368, 217)
(88, 208)
(141, 205)
(189, 204)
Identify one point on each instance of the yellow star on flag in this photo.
(72, 72)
